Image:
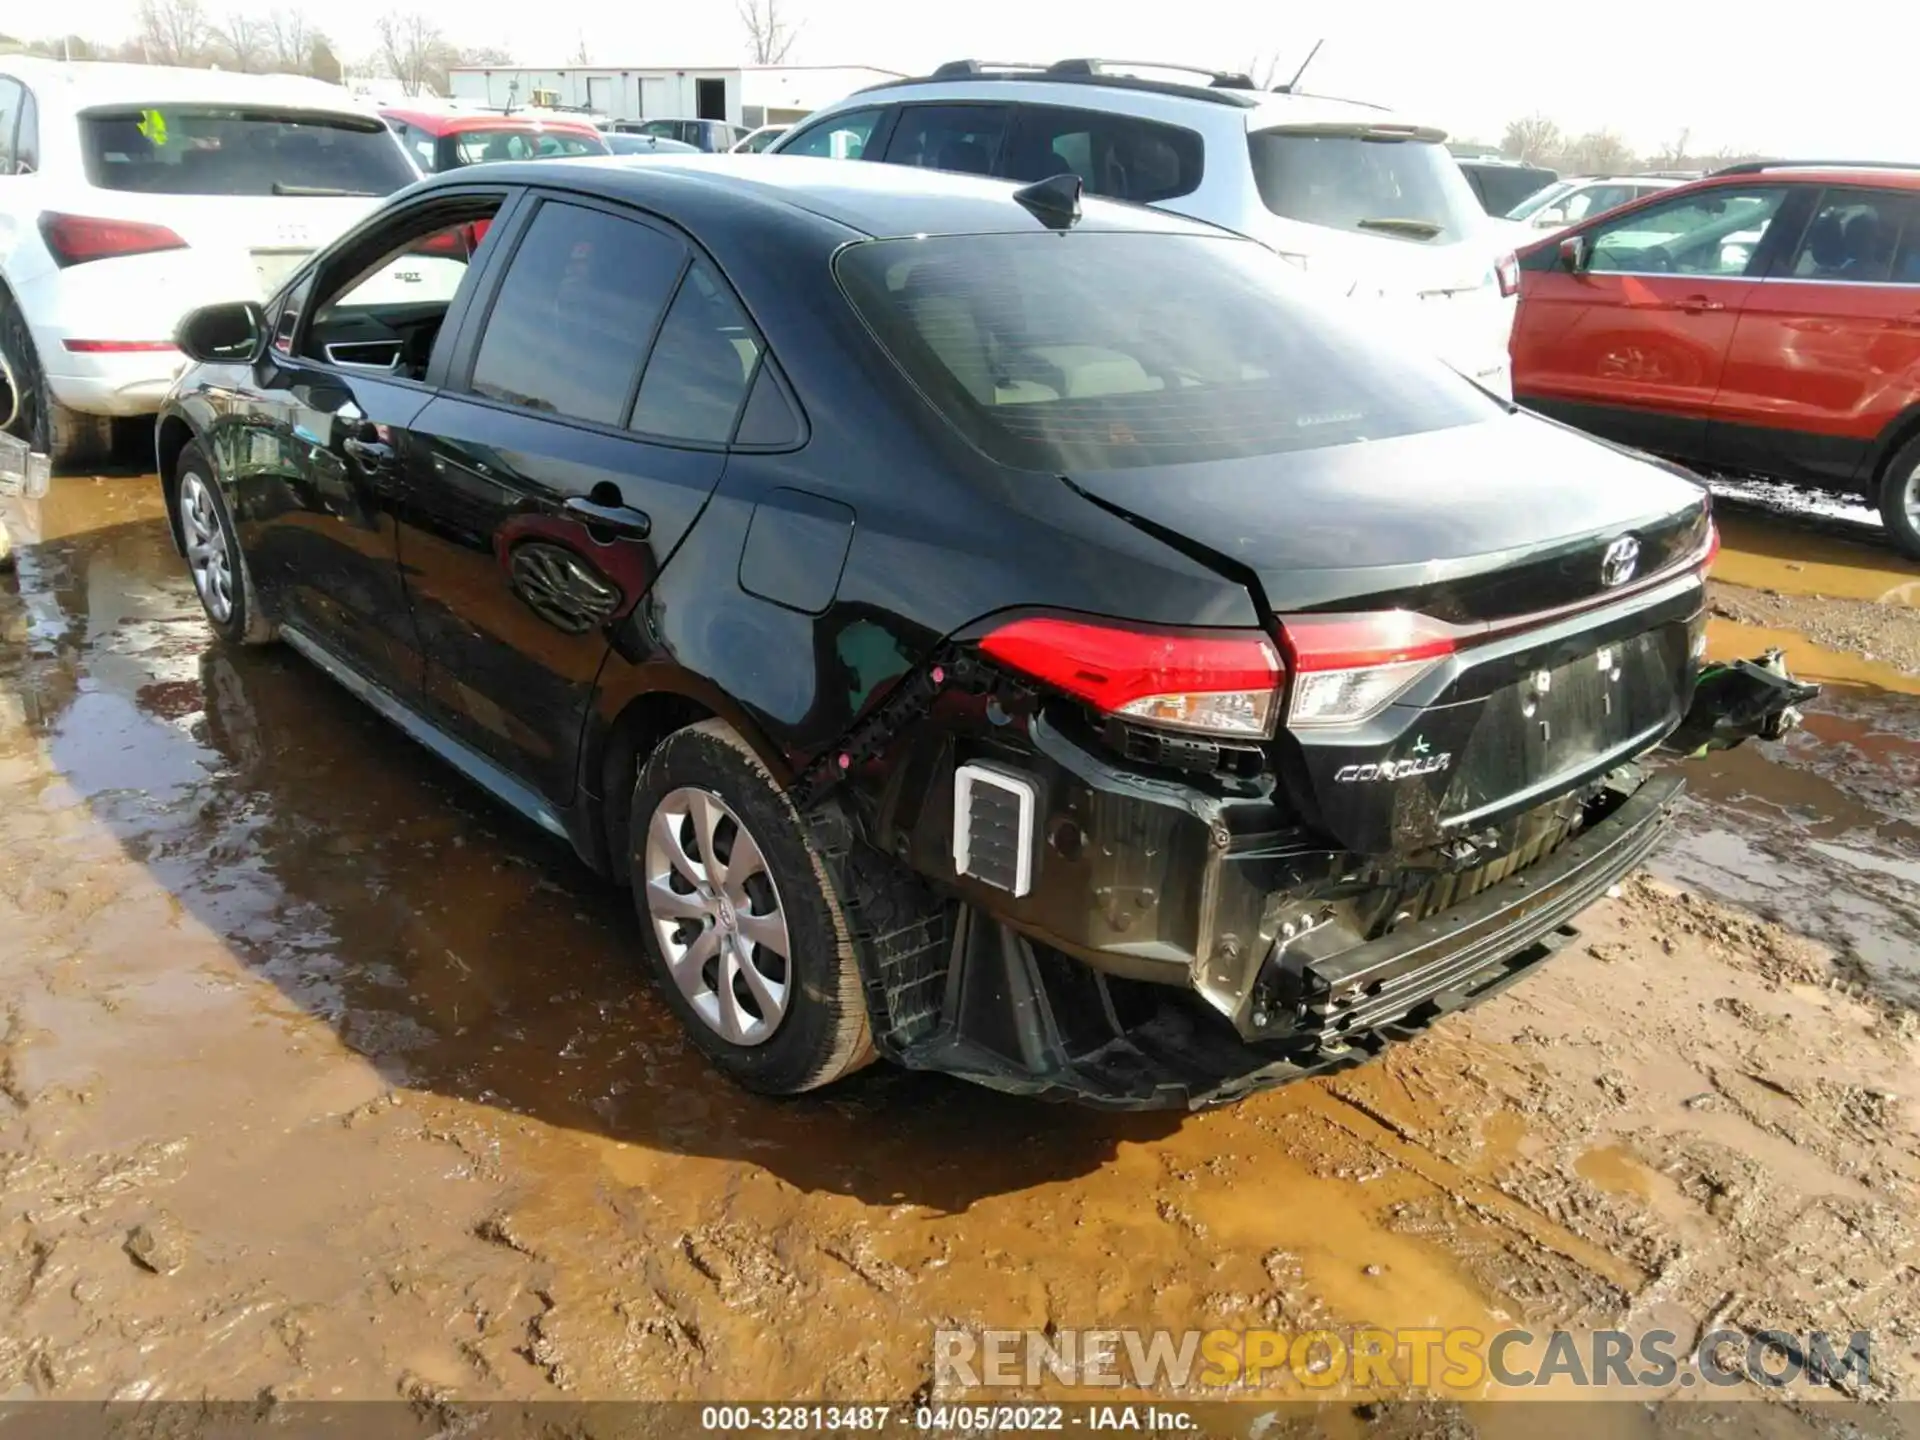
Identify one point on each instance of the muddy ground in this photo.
(322, 1077)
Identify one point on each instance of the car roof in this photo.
(1885, 177)
(455, 122)
(878, 201)
(1263, 108)
(88, 83)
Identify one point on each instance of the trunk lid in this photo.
(1472, 523)
(1564, 664)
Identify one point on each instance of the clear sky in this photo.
(1832, 79)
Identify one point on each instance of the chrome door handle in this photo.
(1699, 304)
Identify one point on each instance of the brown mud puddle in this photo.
(322, 1077)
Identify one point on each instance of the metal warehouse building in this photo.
(751, 95)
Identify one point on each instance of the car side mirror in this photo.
(1574, 254)
(234, 331)
(1551, 218)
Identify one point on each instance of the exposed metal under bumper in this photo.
(1005, 1012)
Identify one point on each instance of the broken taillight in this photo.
(1219, 682)
(1348, 668)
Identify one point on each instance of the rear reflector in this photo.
(75, 239)
(993, 812)
(1348, 668)
(115, 347)
(1219, 682)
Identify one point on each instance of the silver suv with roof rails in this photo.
(1364, 201)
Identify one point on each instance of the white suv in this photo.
(1364, 201)
(129, 195)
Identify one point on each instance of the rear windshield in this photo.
(1376, 183)
(1107, 351)
(200, 150)
(477, 147)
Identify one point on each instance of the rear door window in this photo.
(26, 145)
(478, 147)
(10, 94)
(1869, 237)
(202, 150)
(962, 138)
(1372, 180)
(697, 375)
(574, 313)
(841, 137)
(1119, 156)
(420, 145)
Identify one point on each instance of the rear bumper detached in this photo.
(1023, 1017)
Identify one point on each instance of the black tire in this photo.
(1900, 499)
(67, 437)
(199, 510)
(821, 1034)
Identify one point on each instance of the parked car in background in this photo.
(130, 194)
(621, 142)
(757, 140)
(1568, 202)
(715, 137)
(982, 628)
(439, 140)
(1501, 184)
(1370, 205)
(1765, 319)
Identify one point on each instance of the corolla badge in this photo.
(1422, 762)
(1619, 562)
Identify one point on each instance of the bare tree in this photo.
(413, 49)
(1262, 68)
(1601, 152)
(245, 41)
(581, 54)
(769, 35)
(1533, 138)
(1674, 154)
(290, 37)
(173, 32)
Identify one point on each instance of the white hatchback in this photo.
(1369, 204)
(131, 194)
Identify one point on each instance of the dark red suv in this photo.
(1765, 319)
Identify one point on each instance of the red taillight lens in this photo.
(76, 239)
(1348, 668)
(115, 347)
(1219, 683)
(1713, 546)
(1507, 267)
(443, 242)
(457, 242)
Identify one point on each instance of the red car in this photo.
(439, 140)
(1764, 320)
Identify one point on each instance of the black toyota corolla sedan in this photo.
(1022, 638)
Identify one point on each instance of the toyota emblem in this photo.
(1620, 561)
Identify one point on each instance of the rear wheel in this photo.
(214, 558)
(742, 923)
(1900, 499)
(28, 410)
